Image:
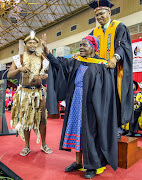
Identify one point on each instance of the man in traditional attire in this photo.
(28, 111)
(115, 47)
(90, 123)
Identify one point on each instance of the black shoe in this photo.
(73, 167)
(89, 174)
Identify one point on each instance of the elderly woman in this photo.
(90, 123)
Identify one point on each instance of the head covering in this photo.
(31, 37)
(136, 85)
(101, 4)
(93, 41)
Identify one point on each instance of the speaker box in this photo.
(7, 174)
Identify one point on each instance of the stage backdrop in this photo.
(137, 60)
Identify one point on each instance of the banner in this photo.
(137, 55)
(137, 60)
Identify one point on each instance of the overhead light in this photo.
(6, 5)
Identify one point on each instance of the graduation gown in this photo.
(99, 115)
(118, 41)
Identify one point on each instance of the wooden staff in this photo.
(21, 52)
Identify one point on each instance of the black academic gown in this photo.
(99, 115)
(122, 44)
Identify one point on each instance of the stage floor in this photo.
(40, 166)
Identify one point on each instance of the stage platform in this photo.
(40, 166)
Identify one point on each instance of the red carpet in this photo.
(40, 166)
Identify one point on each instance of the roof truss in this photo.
(18, 20)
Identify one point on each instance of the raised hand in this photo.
(75, 55)
(43, 43)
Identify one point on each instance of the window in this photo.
(92, 20)
(59, 34)
(73, 27)
(140, 2)
(115, 11)
(12, 51)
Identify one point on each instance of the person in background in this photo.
(10, 93)
(7, 99)
(134, 127)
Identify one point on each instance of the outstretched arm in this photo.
(67, 64)
(51, 58)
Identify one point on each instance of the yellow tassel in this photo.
(119, 43)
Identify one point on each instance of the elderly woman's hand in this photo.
(75, 55)
(43, 44)
(111, 63)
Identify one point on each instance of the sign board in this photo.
(137, 60)
(137, 56)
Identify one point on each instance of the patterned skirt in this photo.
(73, 134)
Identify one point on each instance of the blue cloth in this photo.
(73, 135)
(68, 56)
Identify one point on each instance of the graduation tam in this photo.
(101, 4)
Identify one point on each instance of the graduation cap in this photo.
(31, 37)
(101, 4)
